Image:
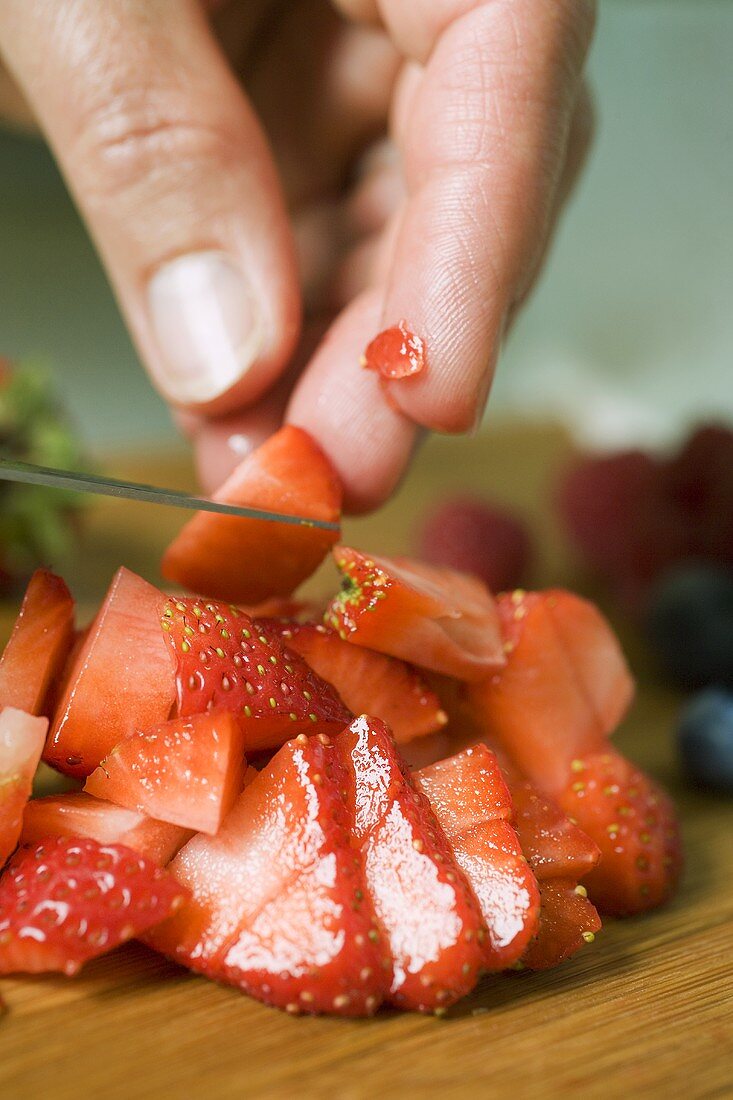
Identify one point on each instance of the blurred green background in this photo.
(630, 335)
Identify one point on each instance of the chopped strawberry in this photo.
(189, 771)
(247, 560)
(634, 824)
(474, 808)
(436, 618)
(22, 737)
(226, 662)
(70, 899)
(395, 353)
(40, 642)
(278, 905)
(426, 910)
(568, 920)
(478, 537)
(384, 686)
(77, 814)
(122, 679)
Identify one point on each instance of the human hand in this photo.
(214, 236)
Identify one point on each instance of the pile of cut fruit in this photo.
(375, 803)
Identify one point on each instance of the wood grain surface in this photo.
(645, 1011)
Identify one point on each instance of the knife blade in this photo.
(28, 474)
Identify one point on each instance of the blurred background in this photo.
(630, 334)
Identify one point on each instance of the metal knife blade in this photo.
(71, 481)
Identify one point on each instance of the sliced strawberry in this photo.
(561, 692)
(40, 642)
(434, 617)
(122, 679)
(634, 824)
(225, 661)
(554, 845)
(77, 814)
(474, 808)
(426, 910)
(248, 560)
(384, 686)
(22, 737)
(278, 906)
(395, 353)
(70, 899)
(189, 771)
(568, 920)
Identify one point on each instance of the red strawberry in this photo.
(473, 806)
(474, 536)
(40, 642)
(188, 772)
(68, 900)
(365, 680)
(699, 481)
(22, 737)
(428, 915)
(248, 560)
(278, 903)
(436, 618)
(568, 920)
(634, 824)
(121, 681)
(226, 662)
(79, 814)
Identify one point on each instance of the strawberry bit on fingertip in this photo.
(395, 353)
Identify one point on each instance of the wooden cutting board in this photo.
(646, 1010)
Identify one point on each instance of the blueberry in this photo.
(705, 739)
(689, 624)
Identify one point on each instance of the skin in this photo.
(412, 162)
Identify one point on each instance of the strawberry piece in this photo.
(278, 906)
(554, 845)
(474, 536)
(39, 644)
(225, 661)
(22, 737)
(248, 560)
(189, 771)
(395, 353)
(568, 920)
(77, 814)
(436, 618)
(634, 824)
(70, 899)
(474, 808)
(561, 692)
(426, 910)
(121, 681)
(384, 686)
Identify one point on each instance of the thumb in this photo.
(175, 179)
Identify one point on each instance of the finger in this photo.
(361, 11)
(172, 172)
(343, 406)
(483, 148)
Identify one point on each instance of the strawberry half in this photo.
(429, 917)
(70, 899)
(39, 644)
(77, 814)
(367, 681)
(189, 771)
(473, 806)
(226, 662)
(434, 617)
(22, 737)
(278, 905)
(121, 680)
(247, 560)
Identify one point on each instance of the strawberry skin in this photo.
(423, 904)
(248, 560)
(278, 903)
(39, 644)
(224, 661)
(635, 826)
(434, 617)
(384, 686)
(70, 899)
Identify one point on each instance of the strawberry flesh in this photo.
(568, 921)
(39, 644)
(22, 737)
